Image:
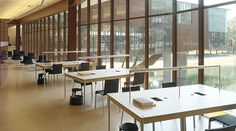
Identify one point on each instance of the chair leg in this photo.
(91, 91)
(194, 122)
(122, 114)
(103, 105)
(209, 124)
(95, 101)
(153, 126)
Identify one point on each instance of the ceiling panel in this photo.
(15, 9)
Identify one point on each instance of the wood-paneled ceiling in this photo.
(16, 9)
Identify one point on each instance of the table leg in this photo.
(35, 73)
(64, 86)
(141, 126)
(44, 76)
(183, 124)
(109, 114)
(84, 94)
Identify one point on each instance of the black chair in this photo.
(225, 119)
(21, 53)
(31, 55)
(173, 84)
(100, 67)
(128, 127)
(84, 67)
(42, 58)
(133, 88)
(9, 53)
(126, 89)
(138, 79)
(16, 55)
(27, 60)
(169, 84)
(55, 70)
(227, 128)
(111, 86)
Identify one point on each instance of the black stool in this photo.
(76, 99)
(41, 78)
(128, 127)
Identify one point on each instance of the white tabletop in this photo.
(64, 64)
(97, 75)
(103, 56)
(172, 106)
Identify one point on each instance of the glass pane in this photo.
(160, 6)
(220, 38)
(213, 2)
(93, 39)
(105, 10)
(84, 12)
(137, 8)
(187, 46)
(119, 9)
(186, 4)
(93, 11)
(84, 38)
(137, 39)
(119, 43)
(105, 42)
(55, 34)
(160, 49)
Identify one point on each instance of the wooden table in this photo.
(65, 64)
(172, 106)
(95, 75)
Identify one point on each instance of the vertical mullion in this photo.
(31, 43)
(23, 37)
(40, 38)
(44, 34)
(146, 43)
(201, 41)
(79, 28)
(99, 31)
(112, 33)
(174, 39)
(64, 36)
(88, 27)
(58, 36)
(127, 35)
(49, 36)
(36, 38)
(53, 37)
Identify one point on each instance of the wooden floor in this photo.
(26, 106)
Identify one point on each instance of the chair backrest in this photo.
(57, 68)
(133, 88)
(42, 58)
(28, 60)
(84, 67)
(169, 84)
(21, 53)
(9, 53)
(99, 67)
(138, 78)
(111, 86)
(31, 55)
(228, 128)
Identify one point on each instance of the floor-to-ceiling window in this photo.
(220, 38)
(160, 41)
